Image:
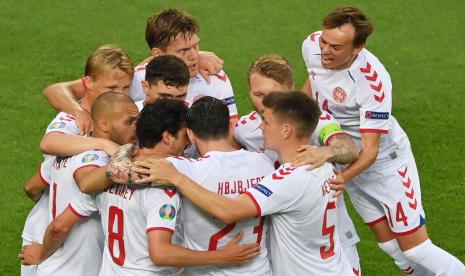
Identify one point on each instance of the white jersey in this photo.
(128, 213)
(359, 97)
(219, 87)
(81, 253)
(227, 174)
(303, 221)
(38, 218)
(249, 135)
(63, 123)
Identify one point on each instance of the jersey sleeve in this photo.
(375, 100)
(327, 128)
(135, 91)
(162, 207)
(273, 195)
(45, 170)
(226, 94)
(310, 47)
(63, 123)
(92, 158)
(83, 205)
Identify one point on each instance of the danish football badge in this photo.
(339, 95)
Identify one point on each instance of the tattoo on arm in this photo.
(343, 150)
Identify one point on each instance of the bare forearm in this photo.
(179, 256)
(366, 158)
(53, 238)
(60, 144)
(61, 98)
(94, 182)
(343, 150)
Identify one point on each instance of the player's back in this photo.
(228, 174)
(303, 218)
(81, 252)
(128, 214)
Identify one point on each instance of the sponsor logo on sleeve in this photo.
(264, 190)
(57, 125)
(229, 101)
(89, 158)
(376, 115)
(167, 212)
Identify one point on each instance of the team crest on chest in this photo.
(339, 95)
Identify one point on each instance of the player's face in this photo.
(161, 90)
(123, 123)
(187, 49)
(110, 81)
(271, 130)
(180, 142)
(337, 51)
(261, 86)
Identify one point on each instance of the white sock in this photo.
(393, 250)
(435, 259)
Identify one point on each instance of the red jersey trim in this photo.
(70, 207)
(334, 135)
(376, 221)
(55, 131)
(233, 117)
(372, 130)
(259, 210)
(90, 165)
(406, 232)
(42, 177)
(160, 229)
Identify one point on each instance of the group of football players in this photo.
(150, 171)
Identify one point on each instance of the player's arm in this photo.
(228, 210)
(61, 144)
(367, 156)
(91, 179)
(163, 253)
(35, 186)
(307, 88)
(209, 64)
(56, 233)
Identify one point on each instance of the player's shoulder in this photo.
(311, 42)
(368, 70)
(161, 192)
(92, 157)
(248, 122)
(140, 69)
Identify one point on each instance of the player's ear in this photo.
(167, 138)
(156, 51)
(357, 49)
(89, 82)
(287, 130)
(145, 87)
(103, 125)
(191, 136)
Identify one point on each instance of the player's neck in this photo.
(288, 151)
(86, 102)
(214, 145)
(155, 152)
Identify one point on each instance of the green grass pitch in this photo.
(419, 42)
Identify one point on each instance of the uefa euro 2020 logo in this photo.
(167, 212)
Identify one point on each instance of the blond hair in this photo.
(106, 58)
(273, 67)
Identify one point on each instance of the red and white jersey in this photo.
(219, 87)
(38, 218)
(227, 174)
(249, 135)
(128, 213)
(303, 221)
(359, 97)
(81, 253)
(63, 123)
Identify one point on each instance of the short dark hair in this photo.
(158, 117)
(163, 27)
(208, 118)
(340, 16)
(294, 107)
(169, 69)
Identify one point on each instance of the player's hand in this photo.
(84, 122)
(235, 253)
(31, 254)
(209, 64)
(109, 146)
(118, 169)
(155, 171)
(337, 184)
(315, 157)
